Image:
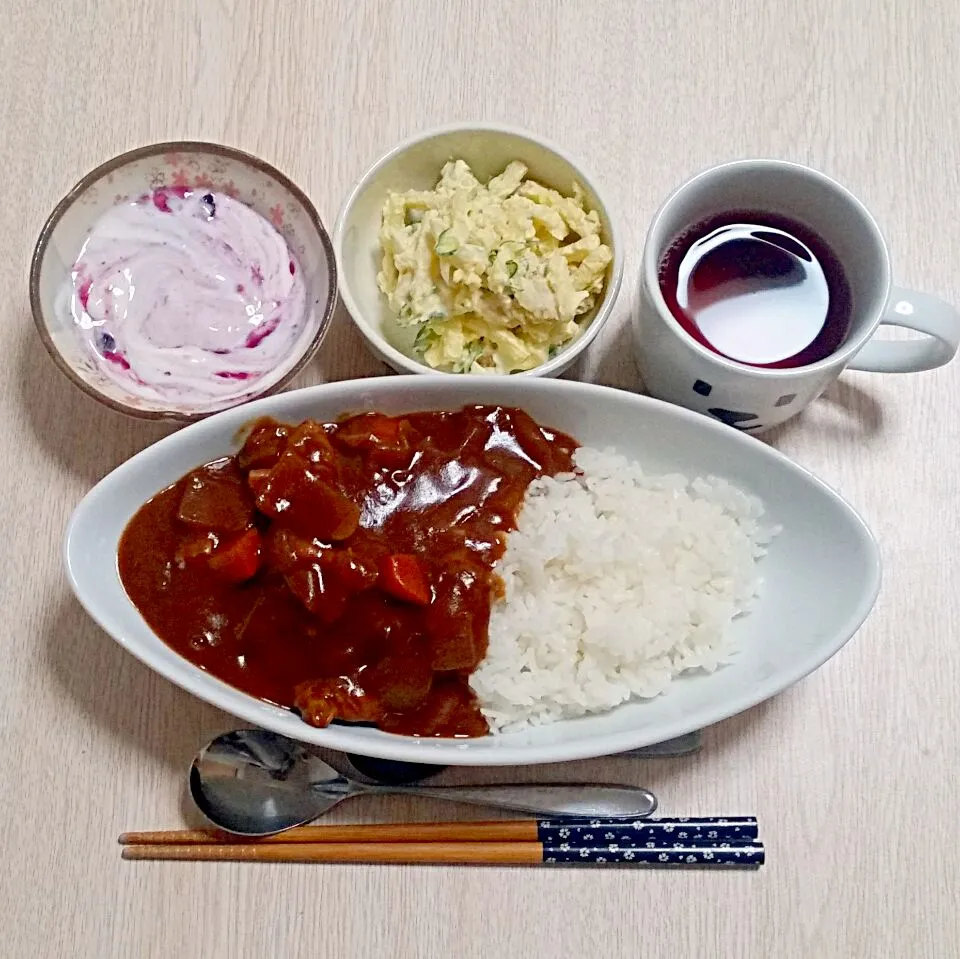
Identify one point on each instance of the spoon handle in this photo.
(587, 800)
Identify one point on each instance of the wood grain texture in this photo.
(850, 771)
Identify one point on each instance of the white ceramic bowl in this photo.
(196, 166)
(416, 164)
(821, 575)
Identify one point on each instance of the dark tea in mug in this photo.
(758, 288)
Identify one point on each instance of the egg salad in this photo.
(495, 277)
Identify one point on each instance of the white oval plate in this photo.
(821, 575)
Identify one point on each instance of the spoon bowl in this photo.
(256, 783)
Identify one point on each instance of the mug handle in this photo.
(915, 311)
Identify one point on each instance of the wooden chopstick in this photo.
(689, 831)
(518, 853)
(505, 831)
(718, 841)
(456, 853)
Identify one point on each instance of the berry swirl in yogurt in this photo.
(187, 297)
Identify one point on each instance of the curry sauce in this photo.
(344, 570)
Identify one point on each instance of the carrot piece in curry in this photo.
(402, 576)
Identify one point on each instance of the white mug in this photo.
(677, 368)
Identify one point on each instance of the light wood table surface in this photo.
(851, 772)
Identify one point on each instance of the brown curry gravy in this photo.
(274, 569)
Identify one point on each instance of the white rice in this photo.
(615, 583)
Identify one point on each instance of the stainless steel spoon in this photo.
(254, 783)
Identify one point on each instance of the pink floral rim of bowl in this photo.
(190, 165)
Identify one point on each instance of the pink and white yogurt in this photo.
(187, 297)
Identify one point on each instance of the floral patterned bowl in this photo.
(187, 165)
